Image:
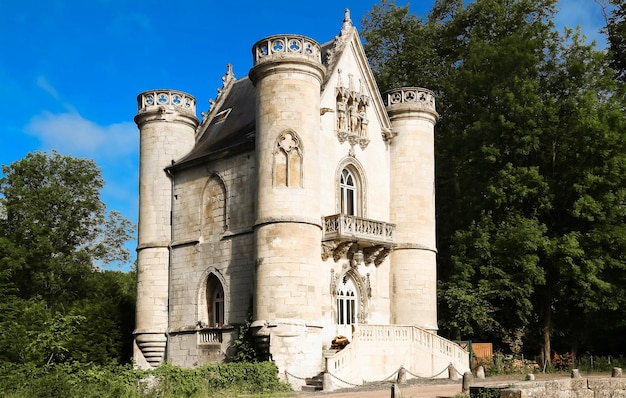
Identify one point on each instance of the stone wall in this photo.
(607, 387)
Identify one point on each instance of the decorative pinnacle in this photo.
(347, 22)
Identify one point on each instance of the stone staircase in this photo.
(315, 383)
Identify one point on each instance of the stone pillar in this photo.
(287, 72)
(413, 262)
(467, 381)
(167, 125)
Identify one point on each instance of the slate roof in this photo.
(234, 133)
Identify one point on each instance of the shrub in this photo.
(93, 381)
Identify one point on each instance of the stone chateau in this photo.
(303, 197)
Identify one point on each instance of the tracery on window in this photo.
(288, 161)
(214, 210)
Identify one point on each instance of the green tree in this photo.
(56, 229)
(530, 156)
(55, 237)
(616, 29)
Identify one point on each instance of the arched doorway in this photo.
(347, 306)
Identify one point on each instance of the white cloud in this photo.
(71, 133)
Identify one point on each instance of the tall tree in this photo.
(55, 236)
(530, 156)
(56, 228)
(616, 29)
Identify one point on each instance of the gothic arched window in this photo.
(347, 307)
(348, 188)
(215, 301)
(288, 161)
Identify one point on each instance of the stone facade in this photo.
(303, 197)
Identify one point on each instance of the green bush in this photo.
(94, 381)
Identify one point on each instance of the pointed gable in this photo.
(348, 70)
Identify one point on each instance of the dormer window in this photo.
(220, 117)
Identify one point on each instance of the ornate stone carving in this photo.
(227, 81)
(341, 250)
(166, 100)
(371, 253)
(382, 256)
(352, 121)
(421, 97)
(327, 249)
(281, 45)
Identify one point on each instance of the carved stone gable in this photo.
(351, 114)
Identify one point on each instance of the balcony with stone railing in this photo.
(356, 238)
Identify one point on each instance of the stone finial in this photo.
(347, 22)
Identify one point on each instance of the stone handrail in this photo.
(378, 350)
(410, 95)
(293, 46)
(353, 227)
(210, 336)
(411, 334)
(170, 98)
(340, 361)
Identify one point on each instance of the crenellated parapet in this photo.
(175, 100)
(414, 98)
(294, 47)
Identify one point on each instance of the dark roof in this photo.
(225, 134)
(236, 132)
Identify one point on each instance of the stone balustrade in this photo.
(168, 98)
(209, 336)
(378, 350)
(292, 46)
(342, 226)
(410, 95)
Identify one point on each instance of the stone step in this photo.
(308, 388)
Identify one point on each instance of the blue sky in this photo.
(70, 70)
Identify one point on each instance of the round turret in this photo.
(167, 125)
(413, 262)
(288, 73)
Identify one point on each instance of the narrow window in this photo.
(288, 161)
(348, 193)
(346, 306)
(215, 298)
